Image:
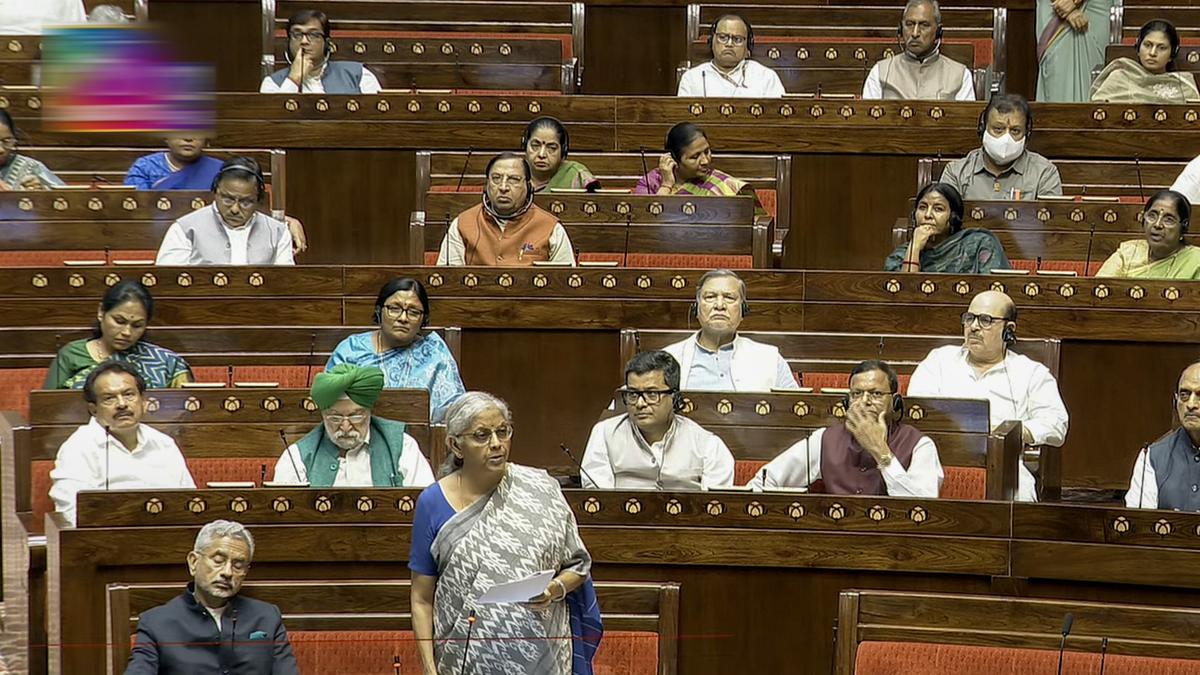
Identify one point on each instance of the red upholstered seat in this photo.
(39, 496)
(982, 46)
(57, 258)
(374, 652)
(15, 385)
(744, 470)
(964, 482)
(906, 658)
(766, 198)
(819, 381)
(205, 470)
(1075, 266)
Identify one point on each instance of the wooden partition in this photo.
(877, 616)
(742, 560)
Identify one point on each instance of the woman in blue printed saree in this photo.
(488, 521)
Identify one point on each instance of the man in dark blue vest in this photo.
(1171, 477)
(310, 71)
(210, 628)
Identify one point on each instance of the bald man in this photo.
(1171, 480)
(1016, 387)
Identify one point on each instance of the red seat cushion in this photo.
(374, 651)
(39, 495)
(58, 258)
(819, 381)
(1075, 266)
(15, 385)
(672, 260)
(205, 470)
(964, 482)
(744, 470)
(912, 658)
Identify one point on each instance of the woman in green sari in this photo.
(1151, 78)
(121, 322)
(546, 144)
(1072, 35)
(939, 244)
(1162, 253)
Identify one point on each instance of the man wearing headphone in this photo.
(985, 367)
(732, 72)
(310, 70)
(716, 358)
(507, 229)
(872, 453)
(920, 71)
(231, 230)
(1003, 168)
(353, 447)
(651, 446)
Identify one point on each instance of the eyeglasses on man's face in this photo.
(313, 36)
(985, 320)
(730, 39)
(228, 200)
(651, 396)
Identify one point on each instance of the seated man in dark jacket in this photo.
(209, 628)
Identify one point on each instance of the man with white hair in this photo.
(716, 358)
(920, 71)
(209, 628)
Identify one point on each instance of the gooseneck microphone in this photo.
(1087, 259)
(1137, 164)
(1062, 645)
(1142, 486)
(107, 440)
(288, 452)
(645, 171)
(1103, 653)
(467, 645)
(625, 249)
(312, 352)
(578, 464)
(466, 163)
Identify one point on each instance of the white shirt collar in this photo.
(98, 435)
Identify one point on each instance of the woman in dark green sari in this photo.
(939, 244)
(121, 322)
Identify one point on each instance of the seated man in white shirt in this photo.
(650, 446)
(732, 72)
(310, 70)
(231, 230)
(1015, 386)
(1188, 182)
(114, 450)
(715, 358)
(920, 71)
(32, 17)
(872, 453)
(353, 447)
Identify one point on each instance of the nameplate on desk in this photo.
(1057, 273)
(231, 485)
(597, 263)
(84, 263)
(257, 385)
(203, 385)
(1010, 272)
(550, 263)
(273, 484)
(137, 263)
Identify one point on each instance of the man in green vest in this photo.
(353, 447)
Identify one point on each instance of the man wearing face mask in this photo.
(1003, 169)
(920, 71)
(507, 229)
(352, 447)
(732, 72)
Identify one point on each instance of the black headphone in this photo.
(1025, 109)
(677, 401)
(897, 404)
(243, 165)
(712, 32)
(1009, 335)
(558, 127)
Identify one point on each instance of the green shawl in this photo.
(320, 454)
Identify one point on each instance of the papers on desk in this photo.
(521, 590)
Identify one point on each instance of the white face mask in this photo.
(1003, 150)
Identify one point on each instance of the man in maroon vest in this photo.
(872, 453)
(507, 229)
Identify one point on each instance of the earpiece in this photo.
(677, 401)
(244, 165)
(1010, 333)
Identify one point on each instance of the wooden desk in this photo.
(744, 562)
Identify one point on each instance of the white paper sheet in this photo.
(520, 590)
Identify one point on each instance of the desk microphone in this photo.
(625, 250)
(879, 354)
(704, 83)
(467, 645)
(764, 478)
(288, 452)
(262, 474)
(577, 463)
(463, 174)
(1087, 259)
(1142, 487)
(1137, 164)
(107, 439)
(312, 351)
(396, 664)
(232, 632)
(645, 171)
(1062, 645)
(1103, 653)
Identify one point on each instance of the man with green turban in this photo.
(353, 448)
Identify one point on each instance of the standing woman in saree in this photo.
(939, 244)
(686, 168)
(1072, 35)
(546, 144)
(489, 521)
(1152, 77)
(1161, 253)
(121, 321)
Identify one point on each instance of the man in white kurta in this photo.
(1015, 386)
(650, 446)
(132, 456)
(716, 358)
(877, 441)
(32, 17)
(732, 72)
(352, 447)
